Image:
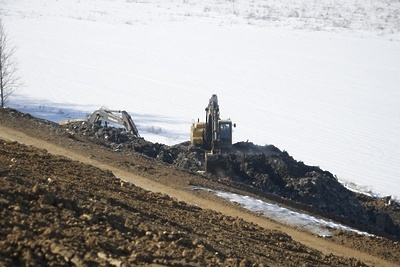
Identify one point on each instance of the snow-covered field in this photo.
(319, 79)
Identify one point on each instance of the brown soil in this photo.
(84, 204)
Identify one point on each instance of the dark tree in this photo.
(9, 82)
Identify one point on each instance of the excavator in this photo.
(215, 137)
(106, 115)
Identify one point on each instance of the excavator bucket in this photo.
(216, 164)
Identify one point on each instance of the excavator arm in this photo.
(107, 115)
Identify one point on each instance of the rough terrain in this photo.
(265, 169)
(58, 211)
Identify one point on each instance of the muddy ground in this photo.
(58, 212)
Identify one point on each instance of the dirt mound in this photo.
(58, 212)
(80, 189)
(265, 168)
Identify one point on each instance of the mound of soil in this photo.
(55, 211)
(265, 168)
(58, 212)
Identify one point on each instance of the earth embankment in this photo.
(58, 208)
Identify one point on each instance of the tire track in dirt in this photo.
(322, 245)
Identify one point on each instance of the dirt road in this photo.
(180, 191)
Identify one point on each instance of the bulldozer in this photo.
(104, 115)
(215, 137)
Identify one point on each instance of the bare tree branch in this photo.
(9, 82)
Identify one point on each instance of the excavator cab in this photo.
(225, 133)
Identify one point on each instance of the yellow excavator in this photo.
(215, 137)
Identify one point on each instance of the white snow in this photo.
(319, 79)
(274, 212)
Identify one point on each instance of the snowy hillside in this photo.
(319, 79)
